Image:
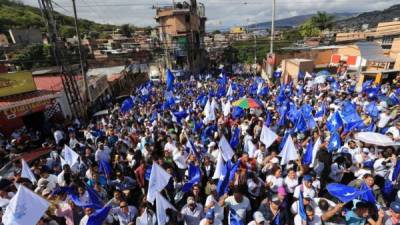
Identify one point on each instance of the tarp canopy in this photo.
(375, 139)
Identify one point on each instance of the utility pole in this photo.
(81, 56)
(255, 49)
(271, 49)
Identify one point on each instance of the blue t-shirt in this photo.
(353, 219)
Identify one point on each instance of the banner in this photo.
(16, 83)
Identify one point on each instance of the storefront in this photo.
(32, 110)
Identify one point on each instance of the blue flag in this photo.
(127, 105)
(105, 168)
(334, 142)
(367, 194)
(301, 125)
(234, 218)
(321, 111)
(234, 169)
(334, 123)
(343, 192)
(302, 211)
(234, 142)
(268, 120)
(396, 171)
(170, 80)
(94, 200)
(237, 112)
(307, 157)
(98, 217)
(366, 85)
(372, 93)
(292, 113)
(372, 110)
(223, 182)
(194, 178)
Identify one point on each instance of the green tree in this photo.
(323, 20)
(34, 56)
(126, 30)
(216, 32)
(307, 29)
(292, 35)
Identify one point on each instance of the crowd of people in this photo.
(232, 151)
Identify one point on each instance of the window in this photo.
(187, 18)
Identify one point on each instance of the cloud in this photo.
(220, 13)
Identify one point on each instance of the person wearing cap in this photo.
(307, 200)
(311, 219)
(271, 210)
(192, 212)
(210, 219)
(392, 216)
(306, 187)
(212, 203)
(258, 219)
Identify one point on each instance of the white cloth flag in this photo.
(161, 207)
(219, 167)
(251, 148)
(288, 152)
(26, 172)
(315, 151)
(226, 149)
(159, 178)
(227, 108)
(209, 112)
(70, 156)
(259, 88)
(267, 136)
(25, 208)
(230, 91)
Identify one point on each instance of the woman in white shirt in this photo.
(275, 180)
(291, 181)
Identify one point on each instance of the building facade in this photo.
(182, 30)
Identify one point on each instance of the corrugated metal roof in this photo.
(371, 51)
(105, 71)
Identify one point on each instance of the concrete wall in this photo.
(292, 67)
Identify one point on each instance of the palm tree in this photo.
(323, 20)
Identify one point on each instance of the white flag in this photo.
(70, 156)
(144, 91)
(25, 208)
(26, 172)
(227, 108)
(314, 152)
(161, 206)
(267, 136)
(219, 167)
(259, 88)
(251, 148)
(159, 178)
(62, 162)
(208, 112)
(226, 149)
(288, 152)
(230, 91)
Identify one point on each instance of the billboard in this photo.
(16, 83)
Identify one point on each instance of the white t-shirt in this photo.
(170, 147)
(216, 221)
(240, 208)
(276, 182)
(316, 220)
(290, 184)
(310, 192)
(218, 210)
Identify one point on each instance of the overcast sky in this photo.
(220, 13)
